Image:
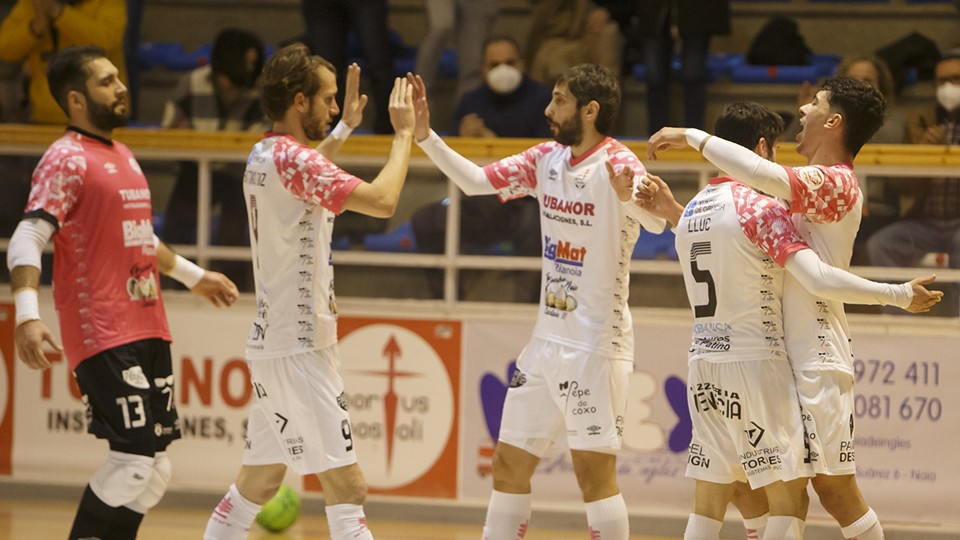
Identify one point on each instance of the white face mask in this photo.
(948, 95)
(504, 79)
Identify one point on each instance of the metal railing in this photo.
(901, 161)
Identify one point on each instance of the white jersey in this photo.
(588, 236)
(733, 243)
(826, 206)
(292, 193)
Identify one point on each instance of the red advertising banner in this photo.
(7, 324)
(402, 382)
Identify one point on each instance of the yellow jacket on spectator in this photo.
(84, 22)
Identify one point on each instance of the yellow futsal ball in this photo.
(281, 511)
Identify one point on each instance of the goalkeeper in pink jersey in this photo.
(91, 197)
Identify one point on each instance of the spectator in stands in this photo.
(693, 22)
(221, 96)
(469, 21)
(328, 24)
(35, 29)
(931, 209)
(564, 33)
(509, 104)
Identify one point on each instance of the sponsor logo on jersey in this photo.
(562, 252)
(813, 177)
(138, 194)
(559, 298)
(761, 459)
(576, 208)
(137, 232)
(110, 167)
(135, 377)
(518, 379)
(135, 166)
(697, 457)
(707, 397)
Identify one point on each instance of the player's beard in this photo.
(313, 127)
(104, 117)
(569, 133)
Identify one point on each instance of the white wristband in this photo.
(341, 131)
(186, 272)
(27, 304)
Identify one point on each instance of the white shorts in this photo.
(299, 417)
(557, 387)
(827, 399)
(746, 423)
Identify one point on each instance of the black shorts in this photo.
(129, 395)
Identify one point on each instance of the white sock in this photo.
(755, 526)
(866, 528)
(347, 522)
(507, 516)
(702, 528)
(232, 518)
(784, 528)
(608, 519)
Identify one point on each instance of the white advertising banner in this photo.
(426, 396)
(656, 429)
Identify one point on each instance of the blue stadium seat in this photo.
(158, 53)
(719, 66)
(655, 246)
(448, 64)
(774, 74)
(399, 240)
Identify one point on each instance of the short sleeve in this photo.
(516, 176)
(767, 224)
(57, 182)
(824, 194)
(311, 177)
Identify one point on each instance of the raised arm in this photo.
(467, 175)
(734, 160)
(379, 197)
(353, 105)
(839, 285)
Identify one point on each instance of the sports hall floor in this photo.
(31, 512)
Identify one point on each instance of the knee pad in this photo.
(157, 486)
(122, 478)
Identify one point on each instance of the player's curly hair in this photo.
(593, 82)
(292, 70)
(746, 122)
(862, 107)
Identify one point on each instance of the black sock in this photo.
(93, 518)
(125, 524)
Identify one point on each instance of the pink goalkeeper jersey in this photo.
(105, 276)
(733, 243)
(826, 206)
(588, 237)
(293, 194)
